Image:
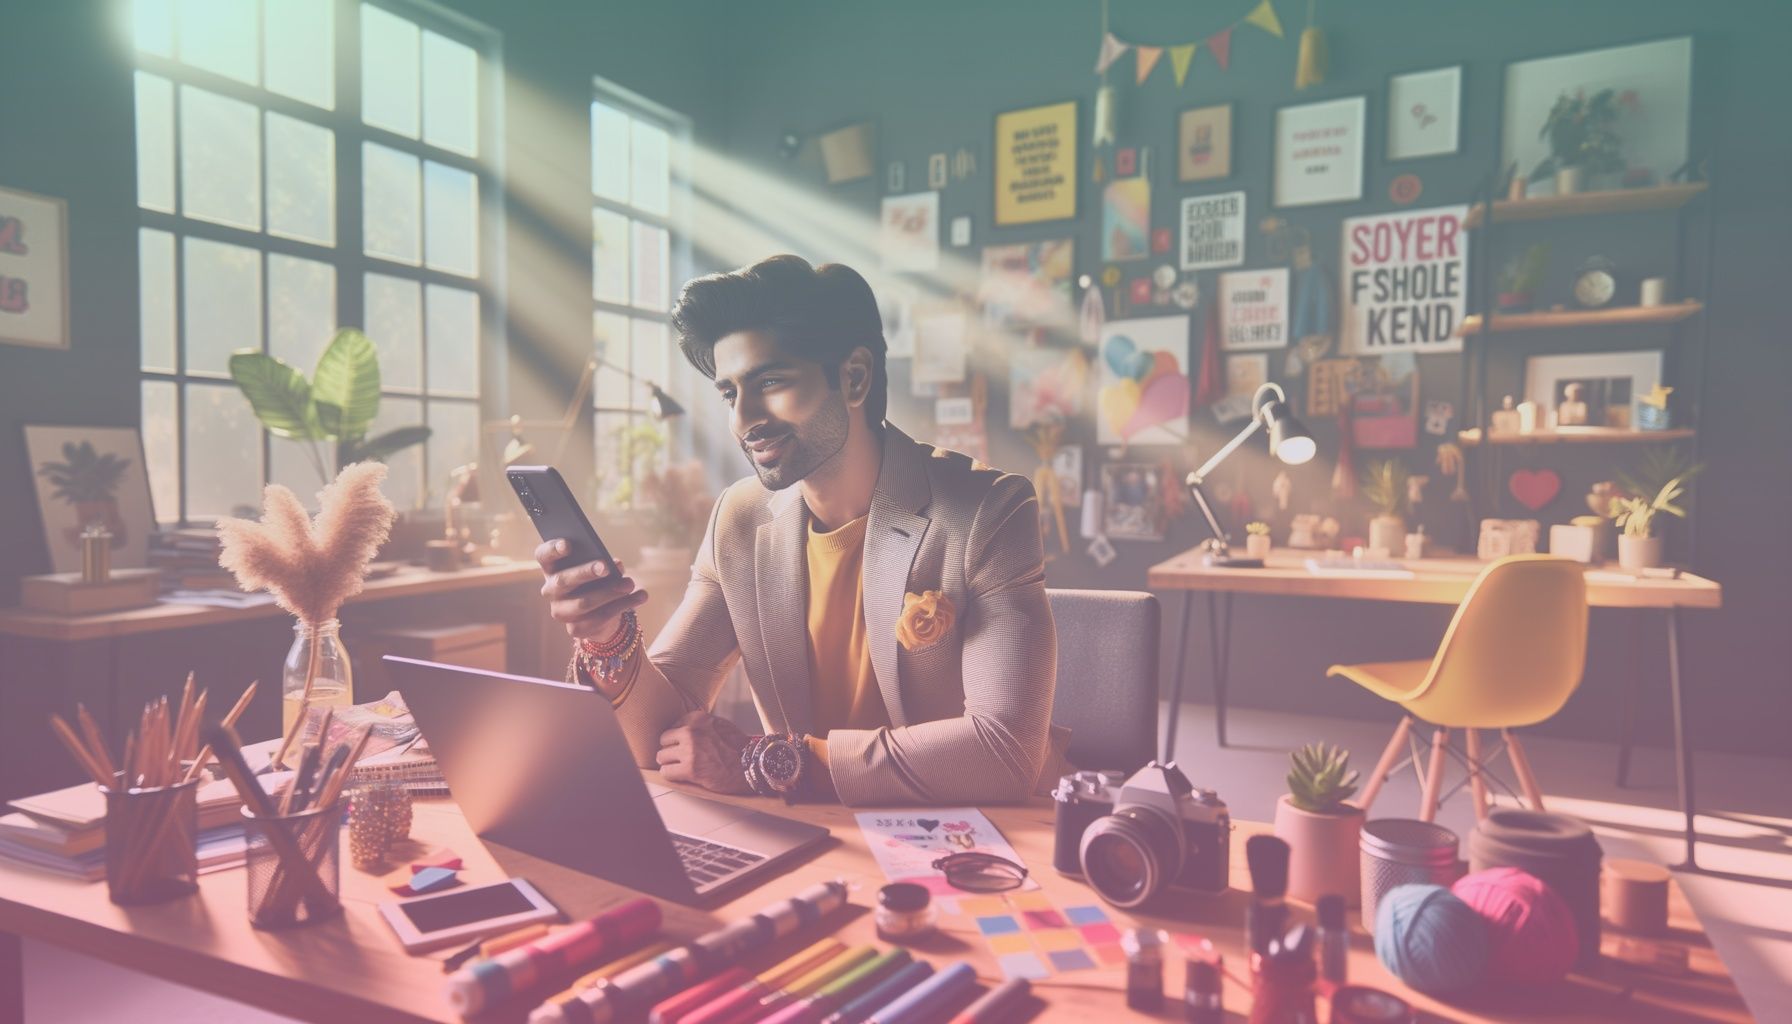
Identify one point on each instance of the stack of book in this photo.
(64, 831)
(188, 559)
(396, 750)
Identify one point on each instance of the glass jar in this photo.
(332, 681)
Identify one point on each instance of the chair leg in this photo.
(1522, 766)
(1476, 782)
(1434, 775)
(1385, 766)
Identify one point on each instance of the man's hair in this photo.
(818, 313)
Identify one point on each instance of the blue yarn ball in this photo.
(1430, 939)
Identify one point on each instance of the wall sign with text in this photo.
(1035, 173)
(1254, 309)
(1405, 278)
(33, 270)
(1213, 231)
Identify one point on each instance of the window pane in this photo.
(388, 71)
(223, 452)
(451, 219)
(220, 159)
(609, 256)
(453, 441)
(614, 488)
(395, 323)
(650, 267)
(301, 309)
(390, 197)
(219, 35)
(609, 333)
(450, 95)
(152, 26)
(161, 449)
(301, 50)
(649, 361)
(609, 152)
(222, 302)
(155, 143)
(301, 180)
(651, 172)
(404, 479)
(155, 306)
(452, 327)
(289, 464)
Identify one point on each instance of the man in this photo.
(887, 598)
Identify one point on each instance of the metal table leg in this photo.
(1219, 634)
(1188, 603)
(1682, 753)
(1627, 716)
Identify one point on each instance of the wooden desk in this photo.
(1434, 581)
(352, 968)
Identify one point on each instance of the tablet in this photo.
(442, 919)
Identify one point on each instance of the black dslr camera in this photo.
(1133, 839)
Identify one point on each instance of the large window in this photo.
(637, 245)
(301, 165)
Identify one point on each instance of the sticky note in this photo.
(1096, 934)
(1109, 954)
(1071, 960)
(1053, 939)
(431, 879)
(1037, 919)
(1086, 915)
(997, 924)
(1023, 965)
(1013, 942)
(982, 906)
(1030, 900)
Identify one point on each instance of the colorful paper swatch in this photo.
(997, 925)
(1023, 965)
(1072, 960)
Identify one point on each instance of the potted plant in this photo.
(87, 479)
(670, 501)
(1518, 281)
(1384, 485)
(1639, 547)
(1319, 826)
(1256, 539)
(1582, 138)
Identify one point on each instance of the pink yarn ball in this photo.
(1530, 930)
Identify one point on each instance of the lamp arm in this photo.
(1213, 523)
(1195, 479)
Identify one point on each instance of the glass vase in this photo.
(332, 682)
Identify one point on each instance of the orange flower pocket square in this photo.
(926, 617)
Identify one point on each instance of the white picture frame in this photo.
(125, 509)
(1545, 376)
(1656, 129)
(33, 270)
(910, 235)
(1424, 115)
(1319, 152)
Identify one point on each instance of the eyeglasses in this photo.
(981, 872)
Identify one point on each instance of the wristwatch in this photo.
(779, 762)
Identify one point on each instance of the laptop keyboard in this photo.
(705, 862)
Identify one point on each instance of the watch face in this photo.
(781, 761)
(1594, 288)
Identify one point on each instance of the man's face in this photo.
(788, 417)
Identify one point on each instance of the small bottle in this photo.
(1144, 969)
(1203, 1000)
(904, 911)
(1504, 419)
(1334, 942)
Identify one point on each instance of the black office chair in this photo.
(1107, 676)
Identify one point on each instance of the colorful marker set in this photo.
(559, 954)
(1031, 938)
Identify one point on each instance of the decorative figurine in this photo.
(1573, 410)
(1505, 418)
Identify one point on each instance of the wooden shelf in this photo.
(1617, 316)
(1587, 204)
(1576, 435)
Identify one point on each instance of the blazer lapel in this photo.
(892, 538)
(782, 593)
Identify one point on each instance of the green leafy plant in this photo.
(1321, 778)
(1521, 276)
(1654, 468)
(673, 496)
(1581, 131)
(337, 404)
(1257, 529)
(1635, 514)
(1384, 485)
(85, 475)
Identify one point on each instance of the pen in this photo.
(834, 994)
(880, 995)
(812, 982)
(736, 1003)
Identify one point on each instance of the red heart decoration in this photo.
(1534, 488)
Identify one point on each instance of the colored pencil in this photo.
(928, 1000)
(835, 993)
(810, 983)
(862, 1007)
(674, 1009)
(736, 1005)
(485, 983)
(996, 1002)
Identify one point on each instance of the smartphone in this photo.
(432, 921)
(557, 515)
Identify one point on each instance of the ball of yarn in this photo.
(1531, 935)
(1430, 939)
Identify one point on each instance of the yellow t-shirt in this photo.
(843, 691)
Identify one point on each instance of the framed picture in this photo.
(1213, 230)
(1035, 158)
(1424, 113)
(1254, 309)
(1612, 383)
(911, 231)
(1143, 389)
(941, 345)
(1027, 284)
(1132, 501)
(1204, 143)
(1126, 219)
(1652, 85)
(1319, 152)
(91, 475)
(33, 270)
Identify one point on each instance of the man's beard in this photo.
(810, 447)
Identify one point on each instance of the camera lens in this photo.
(1130, 855)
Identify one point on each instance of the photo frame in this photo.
(1132, 501)
(910, 236)
(1034, 157)
(33, 270)
(1655, 126)
(1319, 152)
(91, 475)
(1204, 143)
(1613, 383)
(1424, 114)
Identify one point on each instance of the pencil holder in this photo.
(150, 842)
(294, 866)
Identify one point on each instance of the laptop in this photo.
(542, 767)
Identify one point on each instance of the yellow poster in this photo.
(1035, 171)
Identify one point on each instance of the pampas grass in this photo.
(310, 566)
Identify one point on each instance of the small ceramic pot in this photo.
(1387, 533)
(1324, 851)
(1256, 545)
(1638, 552)
(1568, 181)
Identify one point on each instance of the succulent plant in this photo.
(1258, 528)
(1384, 485)
(1321, 779)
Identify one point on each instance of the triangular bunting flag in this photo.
(1180, 56)
(1111, 49)
(1221, 45)
(1148, 56)
(1264, 17)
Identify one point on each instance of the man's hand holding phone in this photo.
(587, 599)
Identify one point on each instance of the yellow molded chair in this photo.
(1512, 657)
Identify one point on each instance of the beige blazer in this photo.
(970, 713)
